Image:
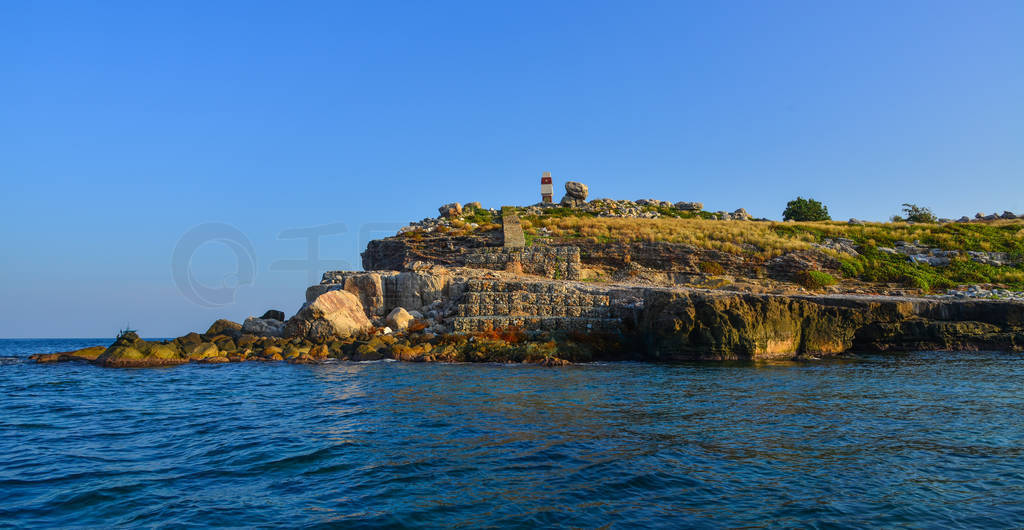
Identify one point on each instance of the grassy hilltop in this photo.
(760, 241)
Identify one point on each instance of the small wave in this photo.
(11, 360)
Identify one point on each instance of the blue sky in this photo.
(126, 124)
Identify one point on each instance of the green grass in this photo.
(875, 266)
(481, 217)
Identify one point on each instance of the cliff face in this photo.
(400, 253)
(675, 324)
(690, 325)
(654, 262)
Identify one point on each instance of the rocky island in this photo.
(644, 280)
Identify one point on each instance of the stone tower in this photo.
(545, 187)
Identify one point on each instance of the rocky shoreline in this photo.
(470, 315)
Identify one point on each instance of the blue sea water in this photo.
(923, 440)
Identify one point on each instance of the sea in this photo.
(924, 439)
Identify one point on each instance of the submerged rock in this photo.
(85, 354)
(129, 351)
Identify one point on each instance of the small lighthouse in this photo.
(545, 187)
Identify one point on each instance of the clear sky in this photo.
(124, 125)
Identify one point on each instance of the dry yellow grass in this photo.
(762, 239)
(732, 236)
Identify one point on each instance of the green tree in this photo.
(801, 209)
(916, 214)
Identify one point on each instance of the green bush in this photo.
(801, 209)
(851, 268)
(816, 279)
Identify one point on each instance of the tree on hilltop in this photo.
(915, 214)
(801, 209)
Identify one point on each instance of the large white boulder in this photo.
(332, 314)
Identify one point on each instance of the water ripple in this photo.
(929, 439)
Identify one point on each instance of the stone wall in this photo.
(398, 254)
(559, 263)
(535, 305)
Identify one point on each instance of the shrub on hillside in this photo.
(801, 209)
(815, 279)
(711, 267)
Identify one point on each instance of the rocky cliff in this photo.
(672, 324)
(691, 325)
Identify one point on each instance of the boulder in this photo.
(475, 205)
(247, 340)
(1008, 215)
(367, 286)
(319, 352)
(741, 214)
(206, 350)
(688, 206)
(452, 209)
(964, 219)
(263, 327)
(399, 319)
(332, 314)
(225, 327)
(576, 189)
(274, 314)
(854, 221)
(575, 194)
(190, 340)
